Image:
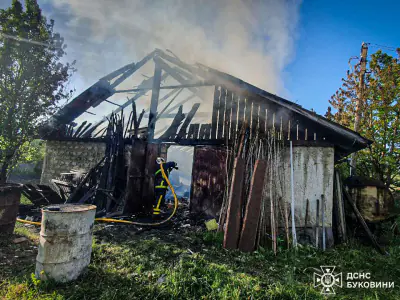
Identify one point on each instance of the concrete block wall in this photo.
(62, 156)
(313, 176)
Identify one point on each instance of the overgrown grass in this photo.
(167, 265)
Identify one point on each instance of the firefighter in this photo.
(161, 186)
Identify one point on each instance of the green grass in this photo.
(165, 265)
(25, 200)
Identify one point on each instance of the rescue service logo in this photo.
(327, 280)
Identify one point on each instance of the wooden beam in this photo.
(221, 114)
(170, 133)
(205, 131)
(362, 222)
(174, 74)
(148, 182)
(169, 87)
(214, 122)
(232, 230)
(154, 101)
(189, 117)
(193, 131)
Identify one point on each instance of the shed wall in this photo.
(313, 177)
(62, 156)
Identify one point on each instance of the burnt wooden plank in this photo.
(208, 182)
(234, 119)
(221, 114)
(154, 101)
(189, 117)
(170, 133)
(214, 122)
(79, 129)
(228, 111)
(252, 215)
(137, 157)
(193, 131)
(232, 230)
(207, 131)
(150, 168)
(202, 132)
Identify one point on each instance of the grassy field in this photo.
(165, 264)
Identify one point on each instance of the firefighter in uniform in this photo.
(161, 186)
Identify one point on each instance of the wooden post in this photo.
(323, 222)
(133, 197)
(154, 101)
(292, 194)
(232, 231)
(362, 222)
(338, 206)
(317, 226)
(149, 170)
(360, 97)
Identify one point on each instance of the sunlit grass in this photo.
(156, 265)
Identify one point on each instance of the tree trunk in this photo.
(7, 163)
(4, 171)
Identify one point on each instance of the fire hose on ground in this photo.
(132, 222)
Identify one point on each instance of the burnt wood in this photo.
(221, 114)
(193, 131)
(214, 119)
(208, 182)
(189, 117)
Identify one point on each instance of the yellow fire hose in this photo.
(29, 222)
(131, 222)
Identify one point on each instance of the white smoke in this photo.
(252, 40)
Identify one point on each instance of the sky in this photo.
(329, 33)
(296, 49)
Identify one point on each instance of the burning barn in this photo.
(262, 165)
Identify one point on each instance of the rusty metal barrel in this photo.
(10, 195)
(65, 243)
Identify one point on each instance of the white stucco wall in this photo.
(313, 177)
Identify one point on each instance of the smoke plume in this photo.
(252, 40)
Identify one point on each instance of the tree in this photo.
(380, 111)
(32, 78)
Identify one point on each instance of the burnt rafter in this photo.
(235, 103)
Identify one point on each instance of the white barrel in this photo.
(65, 243)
